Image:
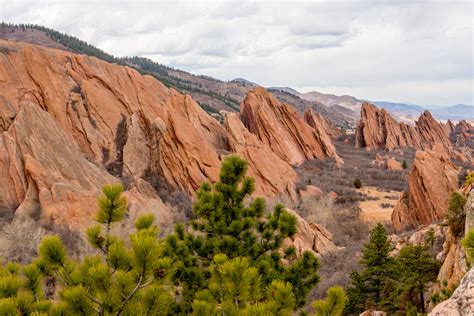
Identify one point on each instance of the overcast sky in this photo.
(406, 51)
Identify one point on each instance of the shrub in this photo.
(443, 293)
(456, 216)
(470, 178)
(19, 240)
(357, 183)
(468, 244)
(404, 164)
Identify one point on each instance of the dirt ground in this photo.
(372, 210)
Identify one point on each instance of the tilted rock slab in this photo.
(431, 181)
(283, 130)
(377, 129)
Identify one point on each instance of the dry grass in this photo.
(19, 240)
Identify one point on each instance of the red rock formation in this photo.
(280, 127)
(71, 123)
(463, 134)
(449, 127)
(93, 101)
(393, 164)
(316, 121)
(272, 174)
(432, 179)
(44, 172)
(431, 131)
(378, 130)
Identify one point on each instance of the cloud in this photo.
(418, 51)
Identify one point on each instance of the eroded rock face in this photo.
(432, 179)
(378, 130)
(71, 123)
(94, 101)
(272, 174)
(280, 127)
(463, 134)
(461, 301)
(317, 121)
(431, 131)
(47, 173)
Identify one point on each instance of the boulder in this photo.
(461, 301)
(310, 237)
(393, 164)
(311, 192)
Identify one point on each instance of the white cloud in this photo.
(418, 51)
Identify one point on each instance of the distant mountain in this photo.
(454, 112)
(285, 89)
(244, 81)
(331, 99)
(402, 111)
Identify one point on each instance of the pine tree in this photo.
(235, 287)
(456, 216)
(404, 164)
(377, 269)
(225, 225)
(334, 303)
(417, 268)
(121, 279)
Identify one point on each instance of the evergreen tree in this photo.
(235, 288)
(417, 268)
(225, 225)
(404, 164)
(121, 279)
(357, 183)
(456, 216)
(377, 269)
(334, 303)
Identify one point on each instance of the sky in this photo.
(401, 51)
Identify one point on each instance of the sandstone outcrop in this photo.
(317, 121)
(71, 123)
(431, 131)
(463, 134)
(283, 130)
(44, 173)
(461, 301)
(272, 174)
(376, 129)
(432, 179)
